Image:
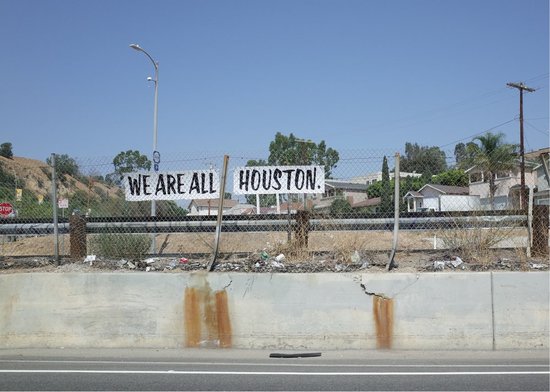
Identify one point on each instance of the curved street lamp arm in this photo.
(140, 49)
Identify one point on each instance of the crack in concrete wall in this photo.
(372, 293)
(382, 309)
(227, 285)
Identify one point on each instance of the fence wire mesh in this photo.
(443, 203)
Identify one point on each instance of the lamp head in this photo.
(136, 47)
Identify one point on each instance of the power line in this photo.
(535, 128)
(465, 104)
(480, 133)
(535, 78)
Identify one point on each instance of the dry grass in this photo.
(469, 244)
(476, 243)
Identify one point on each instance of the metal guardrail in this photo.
(268, 223)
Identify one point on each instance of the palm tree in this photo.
(491, 155)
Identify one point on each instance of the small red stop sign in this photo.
(5, 209)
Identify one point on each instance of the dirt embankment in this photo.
(35, 176)
(264, 262)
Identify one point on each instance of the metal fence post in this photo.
(54, 206)
(220, 213)
(396, 204)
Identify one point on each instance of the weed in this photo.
(121, 245)
(474, 238)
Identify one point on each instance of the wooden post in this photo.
(77, 236)
(541, 222)
(302, 228)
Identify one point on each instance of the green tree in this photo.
(290, 150)
(64, 165)
(340, 208)
(6, 150)
(423, 159)
(169, 208)
(6, 178)
(454, 177)
(491, 155)
(462, 153)
(386, 188)
(128, 162)
(405, 185)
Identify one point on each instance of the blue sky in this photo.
(358, 74)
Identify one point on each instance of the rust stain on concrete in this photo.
(206, 317)
(224, 324)
(210, 319)
(192, 318)
(383, 318)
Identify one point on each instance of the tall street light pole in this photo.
(156, 154)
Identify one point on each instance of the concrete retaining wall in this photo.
(508, 310)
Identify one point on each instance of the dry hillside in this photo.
(36, 175)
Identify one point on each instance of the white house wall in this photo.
(481, 189)
(356, 196)
(460, 203)
(501, 203)
(431, 203)
(430, 192)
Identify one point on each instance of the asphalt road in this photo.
(146, 370)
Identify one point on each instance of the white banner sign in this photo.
(260, 180)
(190, 184)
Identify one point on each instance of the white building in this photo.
(209, 207)
(432, 197)
(507, 186)
(542, 176)
(375, 177)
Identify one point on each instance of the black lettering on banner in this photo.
(277, 174)
(255, 180)
(289, 177)
(311, 178)
(181, 184)
(245, 181)
(266, 179)
(272, 179)
(170, 184)
(203, 183)
(299, 179)
(195, 184)
(135, 185)
(211, 188)
(161, 187)
(145, 185)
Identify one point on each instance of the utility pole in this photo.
(521, 87)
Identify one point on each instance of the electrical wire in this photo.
(479, 133)
(535, 128)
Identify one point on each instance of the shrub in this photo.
(121, 245)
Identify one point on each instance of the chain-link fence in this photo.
(363, 201)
